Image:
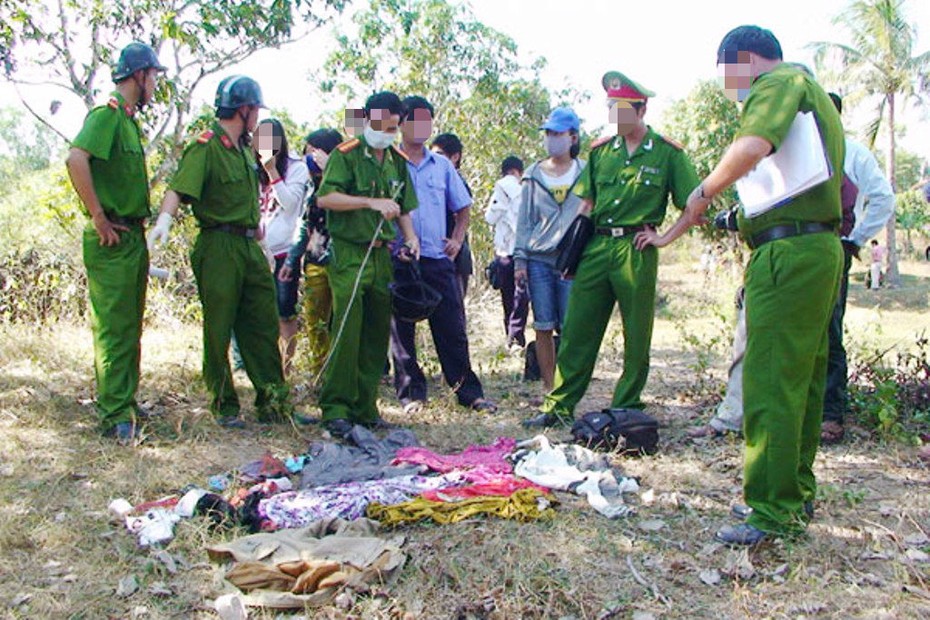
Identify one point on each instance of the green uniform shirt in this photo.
(774, 101)
(117, 162)
(219, 179)
(631, 190)
(352, 169)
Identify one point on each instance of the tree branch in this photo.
(38, 116)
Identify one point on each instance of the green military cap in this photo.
(619, 86)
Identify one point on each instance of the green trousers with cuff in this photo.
(611, 271)
(237, 293)
(791, 287)
(116, 279)
(351, 380)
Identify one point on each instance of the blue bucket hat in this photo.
(562, 119)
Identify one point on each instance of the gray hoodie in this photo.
(542, 221)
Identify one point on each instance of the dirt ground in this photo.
(865, 555)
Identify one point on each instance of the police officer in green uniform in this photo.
(792, 282)
(625, 189)
(217, 176)
(107, 168)
(365, 186)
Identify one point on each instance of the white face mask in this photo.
(558, 145)
(378, 139)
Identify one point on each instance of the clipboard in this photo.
(800, 163)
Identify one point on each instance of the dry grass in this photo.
(60, 558)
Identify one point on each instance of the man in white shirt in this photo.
(502, 213)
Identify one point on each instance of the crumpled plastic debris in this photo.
(154, 527)
(295, 464)
(569, 467)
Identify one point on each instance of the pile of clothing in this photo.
(316, 515)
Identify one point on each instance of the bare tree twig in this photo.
(39, 116)
(642, 581)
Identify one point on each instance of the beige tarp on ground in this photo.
(308, 566)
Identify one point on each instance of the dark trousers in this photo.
(447, 326)
(516, 301)
(835, 397)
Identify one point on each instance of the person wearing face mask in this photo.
(282, 187)
(106, 164)
(791, 285)
(624, 189)
(365, 189)
(547, 208)
(217, 177)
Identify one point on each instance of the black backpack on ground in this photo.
(631, 430)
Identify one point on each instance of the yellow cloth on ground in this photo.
(523, 505)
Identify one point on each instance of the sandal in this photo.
(831, 433)
(707, 430)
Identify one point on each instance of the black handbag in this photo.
(492, 272)
(572, 245)
(631, 430)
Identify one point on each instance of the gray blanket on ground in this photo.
(363, 457)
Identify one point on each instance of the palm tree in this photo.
(880, 64)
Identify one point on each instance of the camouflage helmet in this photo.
(136, 57)
(236, 91)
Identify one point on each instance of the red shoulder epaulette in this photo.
(601, 142)
(349, 145)
(677, 145)
(400, 152)
(113, 103)
(205, 137)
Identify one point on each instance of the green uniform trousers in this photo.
(317, 309)
(791, 286)
(237, 293)
(116, 281)
(350, 383)
(611, 270)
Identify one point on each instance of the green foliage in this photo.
(72, 45)
(40, 287)
(25, 146)
(909, 169)
(705, 123)
(882, 65)
(890, 390)
(911, 214)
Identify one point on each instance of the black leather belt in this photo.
(130, 222)
(239, 231)
(783, 231)
(618, 231)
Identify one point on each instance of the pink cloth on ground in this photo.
(502, 486)
(477, 463)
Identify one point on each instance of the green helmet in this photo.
(238, 90)
(136, 57)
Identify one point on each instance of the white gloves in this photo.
(159, 233)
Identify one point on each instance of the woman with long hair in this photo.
(283, 186)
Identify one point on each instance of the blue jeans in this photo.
(548, 294)
(286, 291)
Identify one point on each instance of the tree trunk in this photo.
(892, 277)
